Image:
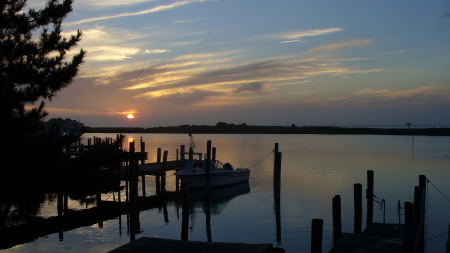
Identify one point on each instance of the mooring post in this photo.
(191, 154)
(277, 207)
(157, 174)
(208, 164)
(423, 185)
(316, 236)
(163, 173)
(182, 151)
(337, 225)
(142, 152)
(419, 210)
(277, 165)
(213, 153)
(357, 193)
(369, 197)
(411, 228)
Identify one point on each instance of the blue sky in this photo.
(259, 62)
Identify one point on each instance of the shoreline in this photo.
(244, 129)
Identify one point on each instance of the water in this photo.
(315, 168)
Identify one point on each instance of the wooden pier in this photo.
(149, 244)
(377, 237)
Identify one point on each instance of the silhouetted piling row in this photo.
(407, 237)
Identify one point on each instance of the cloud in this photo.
(156, 51)
(340, 45)
(137, 13)
(109, 3)
(254, 87)
(446, 15)
(419, 94)
(110, 53)
(395, 52)
(185, 43)
(297, 35)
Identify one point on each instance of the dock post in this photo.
(277, 208)
(277, 167)
(357, 193)
(423, 184)
(316, 236)
(191, 154)
(163, 173)
(157, 175)
(213, 153)
(182, 151)
(208, 164)
(142, 152)
(337, 225)
(369, 197)
(411, 228)
(419, 210)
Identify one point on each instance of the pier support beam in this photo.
(357, 193)
(369, 197)
(337, 224)
(316, 236)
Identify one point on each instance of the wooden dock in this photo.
(149, 244)
(378, 237)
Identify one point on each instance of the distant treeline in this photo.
(224, 128)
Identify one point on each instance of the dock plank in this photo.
(150, 244)
(378, 237)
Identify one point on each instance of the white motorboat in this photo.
(194, 173)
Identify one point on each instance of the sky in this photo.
(259, 62)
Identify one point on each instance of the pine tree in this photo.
(33, 68)
(32, 59)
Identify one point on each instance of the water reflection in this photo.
(212, 202)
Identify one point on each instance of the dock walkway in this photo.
(378, 237)
(149, 244)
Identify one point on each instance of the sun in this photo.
(130, 116)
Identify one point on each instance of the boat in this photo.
(194, 173)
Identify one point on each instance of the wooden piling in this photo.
(158, 176)
(143, 152)
(357, 193)
(337, 225)
(277, 167)
(182, 151)
(191, 154)
(208, 164)
(213, 153)
(369, 197)
(409, 213)
(419, 211)
(163, 173)
(316, 236)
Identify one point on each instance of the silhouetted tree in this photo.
(33, 68)
(32, 58)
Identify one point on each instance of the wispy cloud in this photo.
(394, 52)
(297, 35)
(340, 45)
(418, 94)
(156, 51)
(137, 13)
(251, 87)
(216, 79)
(109, 3)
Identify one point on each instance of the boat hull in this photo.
(217, 178)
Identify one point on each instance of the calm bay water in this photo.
(315, 168)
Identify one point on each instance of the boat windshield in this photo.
(214, 165)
